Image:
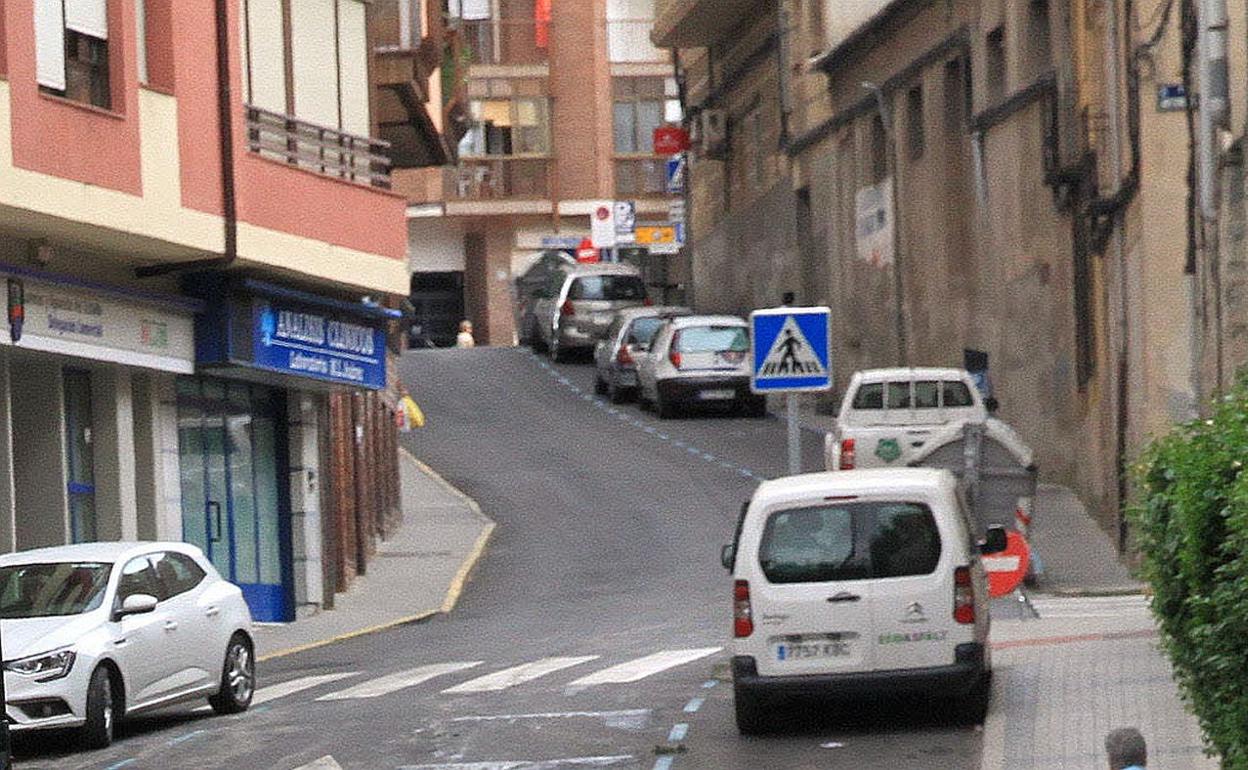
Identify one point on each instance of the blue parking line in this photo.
(692, 706)
(708, 684)
(185, 738)
(663, 763)
(122, 763)
(678, 733)
(662, 436)
(710, 458)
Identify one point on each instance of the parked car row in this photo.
(666, 357)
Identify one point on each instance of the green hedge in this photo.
(1191, 522)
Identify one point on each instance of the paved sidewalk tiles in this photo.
(417, 573)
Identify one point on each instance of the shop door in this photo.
(231, 461)
(79, 456)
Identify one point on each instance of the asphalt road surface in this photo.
(592, 633)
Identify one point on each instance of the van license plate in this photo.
(717, 395)
(812, 650)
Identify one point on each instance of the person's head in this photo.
(465, 326)
(1125, 747)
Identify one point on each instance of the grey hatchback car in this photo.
(579, 302)
(626, 345)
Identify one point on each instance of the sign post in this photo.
(790, 353)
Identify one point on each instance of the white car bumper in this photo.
(32, 705)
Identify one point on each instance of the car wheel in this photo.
(972, 708)
(238, 678)
(600, 386)
(97, 732)
(556, 354)
(535, 338)
(665, 410)
(756, 408)
(616, 394)
(749, 711)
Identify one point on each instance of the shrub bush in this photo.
(1191, 522)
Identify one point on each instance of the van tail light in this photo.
(742, 615)
(648, 302)
(624, 357)
(567, 308)
(674, 357)
(963, 596)
(847, 454)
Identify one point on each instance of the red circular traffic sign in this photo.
(1007, 569)
(603, 213)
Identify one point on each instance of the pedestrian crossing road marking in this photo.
(636, 670)
(398, 681)
(509, 677)
(791, 354)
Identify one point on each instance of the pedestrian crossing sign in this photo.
(790, 351)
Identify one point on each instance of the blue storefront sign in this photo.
(313, 344)
(280, 336)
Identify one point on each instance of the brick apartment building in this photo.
(200, 250)
(550, 108)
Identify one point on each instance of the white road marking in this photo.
(692, 706)
(401, 680)
(273, 692)
(621, 714)
(537, 764)
(324, 763)
(678, 733)
(509, 677)
(636, 670)
(663, 763)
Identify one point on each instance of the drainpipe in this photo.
(225, 121)
(1122, 319)
(1212, 71)
(783, 49)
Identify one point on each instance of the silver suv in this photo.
(578, 303)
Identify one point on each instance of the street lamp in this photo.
(890, 143)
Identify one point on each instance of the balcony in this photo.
(698, 23)
(499, 178)
(508, 42)
(640, 176)
(328, 151)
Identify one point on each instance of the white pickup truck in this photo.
(889, 415)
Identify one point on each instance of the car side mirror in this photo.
(728, 555)
(137, 604)
(992, 405)
(995, 541)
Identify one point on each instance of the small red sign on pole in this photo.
(586, 252)
(1007, 569)
(669, 140)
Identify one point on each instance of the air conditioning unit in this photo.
(713, 133)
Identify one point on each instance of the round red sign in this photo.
(602, 213)
(1007, 569)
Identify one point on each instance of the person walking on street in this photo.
(1126, 749)
(464, 338)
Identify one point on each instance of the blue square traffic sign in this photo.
(790, 350)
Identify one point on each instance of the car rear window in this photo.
(643, 330)
(608, 288)
(849, 541)
(711, 339)
(870, 396)
(957, 394)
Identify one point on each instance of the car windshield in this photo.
(47, 590)
(849, 541)
(608, 288)
(643, 330)
(712, 339)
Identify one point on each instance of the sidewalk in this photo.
(414, 575)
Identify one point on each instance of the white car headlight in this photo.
(44, 667)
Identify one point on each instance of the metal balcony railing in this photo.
(359, 159)
(499, 178)
(505, 41)
(640, 176)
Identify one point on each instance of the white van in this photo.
(889, 415)
(859, 583)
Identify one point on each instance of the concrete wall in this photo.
(114, 453)
(39, 472)
(435, 244)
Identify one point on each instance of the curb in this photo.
(1085, 593)
(453, 592)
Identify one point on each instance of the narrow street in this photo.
(590, 635)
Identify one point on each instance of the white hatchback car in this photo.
(855, 584)
(96, 631)
(699, 360)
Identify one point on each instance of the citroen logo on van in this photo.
(914, 614)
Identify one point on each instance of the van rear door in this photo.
(810, 592)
